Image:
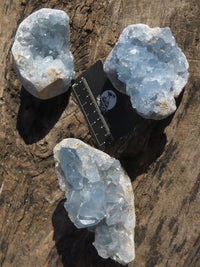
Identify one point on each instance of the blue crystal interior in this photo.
(47, 41)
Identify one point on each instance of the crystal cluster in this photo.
(41, 53)
(99, 196)
(147, 65)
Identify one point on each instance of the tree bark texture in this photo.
(162, 159)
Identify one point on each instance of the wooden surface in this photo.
(164, 164)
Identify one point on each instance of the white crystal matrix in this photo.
(99, 196)
(147, 64)
(41, 53)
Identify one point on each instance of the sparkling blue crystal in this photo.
(41, 53)
(99, 196)
(147, 64)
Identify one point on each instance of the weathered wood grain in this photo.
(164, 163)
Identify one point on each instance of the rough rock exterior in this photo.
(41, 53)
(99, 196)
(147, 64)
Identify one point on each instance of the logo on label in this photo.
(108, 100)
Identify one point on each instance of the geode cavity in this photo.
(41, 53)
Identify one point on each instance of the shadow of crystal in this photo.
(37, 117)
(148, 144)
(75, 245)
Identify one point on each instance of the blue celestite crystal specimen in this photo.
(99, 196)
(147, 65)
(41, 53)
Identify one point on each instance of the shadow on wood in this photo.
(149, 145)
(153, 147)
(37, 117)
(75, 245)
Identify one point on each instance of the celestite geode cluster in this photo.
(99, 196)
(41, 53)
(148, 65)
